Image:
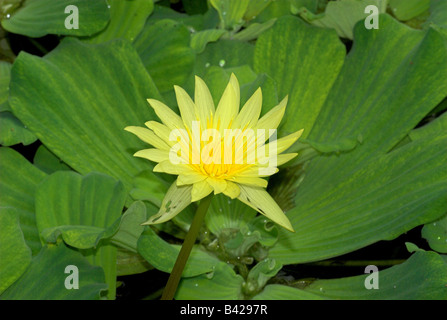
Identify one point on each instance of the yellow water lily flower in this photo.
(220, 150)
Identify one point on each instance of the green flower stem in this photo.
(182, 258)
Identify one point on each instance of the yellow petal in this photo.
(148, 136)
(155, 155)
(166, 115)
(168, 167)
(186, 106)
(228, 106)
(175, 200)
(161, 130)
(203, 103)
(272, 119)
(251, 181)
(254, 171)
(286, 157)
(268, 166)
(284, 143)
(218, 185)
(261, 201)
(250, 112)
(190, 178)
(200, 190)
(232, 190)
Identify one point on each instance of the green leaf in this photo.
(38, 18)
(341, 145)
(436, 234)
(130, 228)
(405, 10)
(217, 79)
(253, 30)
(13, 132)
(165, 52)
(5, 76)
(18, 182)
(46, 161)
(421, 277)
(275, 9)
(88, 132)
(304, 61)
(195, 6)
(382, 99)
(162, 255)
(386, 196)
(200, 39)
(225, 213)
(231, 12)
(281, 292)
(81, 209)
(220, 284)
(343, 15)
(349, 201)
(127, 18)
(128, 263)
(193, 23)
(438, 13)
(224, 54)
(15, 255)
(46, 276)
(433, 128)
(149, 187)
(269, 91)
(259, 275)
(297, 5)
(255, 7)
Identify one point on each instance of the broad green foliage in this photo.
(46, 161)
(419, 278)
(407, 9)
(5, 76)
(231, 12)
(110, 93)
(77, 208)
(39, 18)
(45, 277)
(127, 18)
(343, 15)
(436, 234)
(81, 209)
(15, 255)
(12, 131)
(330, 196)
(222, 283)
(371, 163)
(18, 182)
(305, 83)
(162, 255)
(165, 52)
